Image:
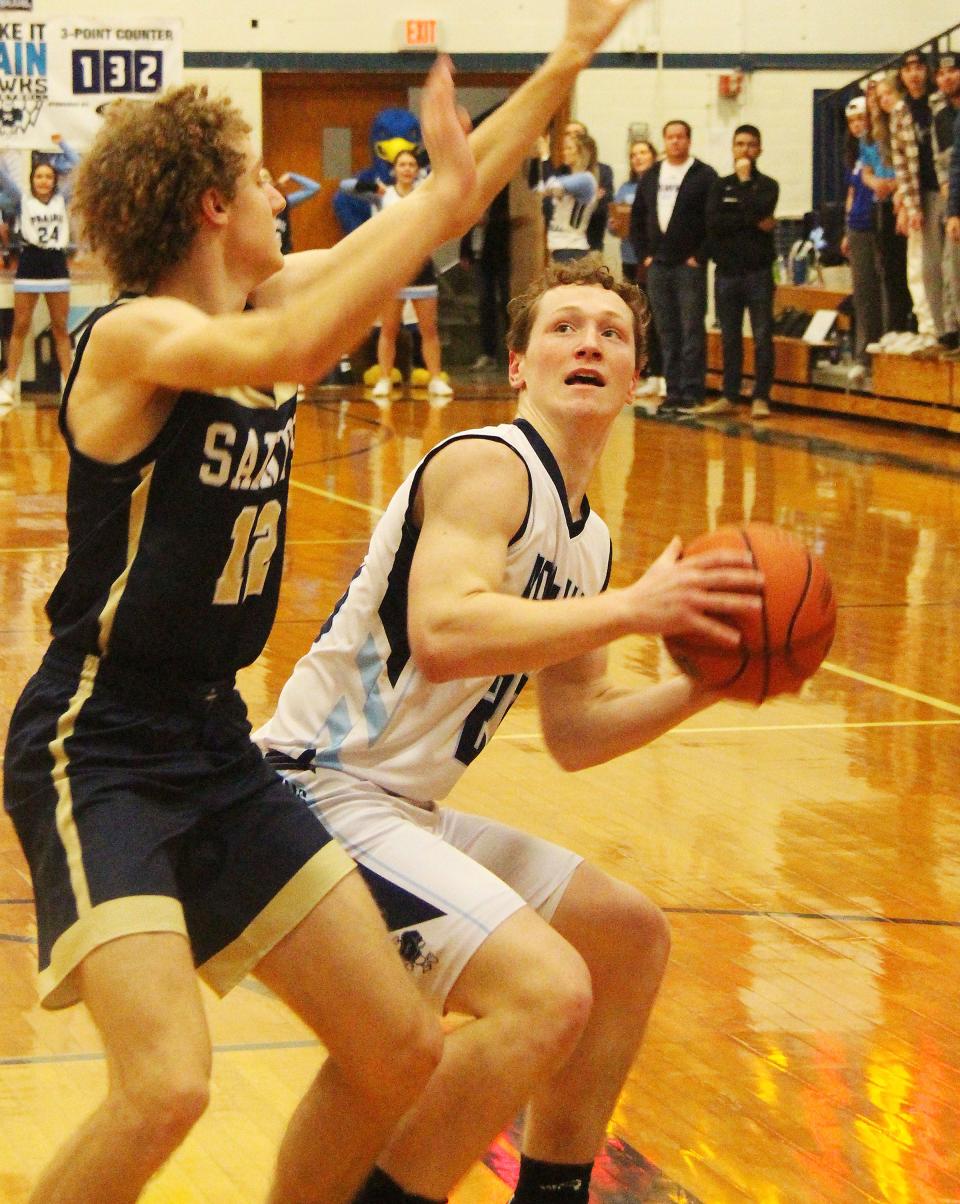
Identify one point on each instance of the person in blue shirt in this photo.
(571, 196)
(643, 155)
(306, 189)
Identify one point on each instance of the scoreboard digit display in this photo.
(96, 62)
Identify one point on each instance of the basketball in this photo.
(785, 641)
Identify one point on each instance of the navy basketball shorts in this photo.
(444, 880)
(143, 806)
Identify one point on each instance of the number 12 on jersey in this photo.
(253, 543)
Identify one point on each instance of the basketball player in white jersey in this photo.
(490, 565)
(178, 480)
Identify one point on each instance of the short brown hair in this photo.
(588, 270)
(138, 188)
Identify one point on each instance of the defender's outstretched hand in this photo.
(590, 23)
(678, 595)
(452, 166)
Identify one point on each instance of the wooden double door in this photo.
(319, 124)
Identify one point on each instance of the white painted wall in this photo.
(779, 102)
(498, 26)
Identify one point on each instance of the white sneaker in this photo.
(483, 363)
(438, 387)
(723, 405)
(9, 398)
(382, 387)
(648, 388)
(856, 374)
(759, 409)
(908, 343)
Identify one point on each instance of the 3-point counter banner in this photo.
(56, 76)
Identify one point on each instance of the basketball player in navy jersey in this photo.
(489, 565)
(156, 836)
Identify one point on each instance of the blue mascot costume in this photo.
(393, 131)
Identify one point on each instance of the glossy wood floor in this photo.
(806, 1046)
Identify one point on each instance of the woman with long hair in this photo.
(642, 156)
(571, 197)
(880, 177)
(42, 269)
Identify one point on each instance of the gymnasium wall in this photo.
(792, 49)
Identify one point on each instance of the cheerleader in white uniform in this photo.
(422, 291)
(42, 270)
(571, 198)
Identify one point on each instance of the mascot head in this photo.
(393, 131)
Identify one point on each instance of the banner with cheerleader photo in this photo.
(56, 76)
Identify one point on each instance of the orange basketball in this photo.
(785, 640)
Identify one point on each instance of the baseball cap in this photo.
(855, 107)
(949, 60)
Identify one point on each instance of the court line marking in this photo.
(759, 727)
(93, 1056)
(292, 543)
(903, 691)
(839, 917)
(771, 727)
(335, 497)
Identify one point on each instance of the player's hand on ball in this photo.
(692, 595)
(784, 641)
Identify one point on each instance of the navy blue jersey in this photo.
(174, 557)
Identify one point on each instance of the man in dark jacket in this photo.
(740, 227)
(668, 229)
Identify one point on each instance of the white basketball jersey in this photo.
(569, 218)
(356, 701)
(44, 224)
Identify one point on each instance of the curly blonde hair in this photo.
(588, 270)
(138, 188)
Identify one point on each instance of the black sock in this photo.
(381, 1189)
(552, 1182)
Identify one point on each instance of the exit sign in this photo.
(420, 35)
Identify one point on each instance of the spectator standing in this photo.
(920, 215)
(306, 188)
(571, 196)
(881, 178)
(487, 249)
(668, 227)
(597, 226)
(860, 243)
(740, 226)
(944, 124)
(643, 155)
(953, 196)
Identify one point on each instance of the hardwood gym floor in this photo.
(806, 1047)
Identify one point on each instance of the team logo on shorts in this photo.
(414, 951)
